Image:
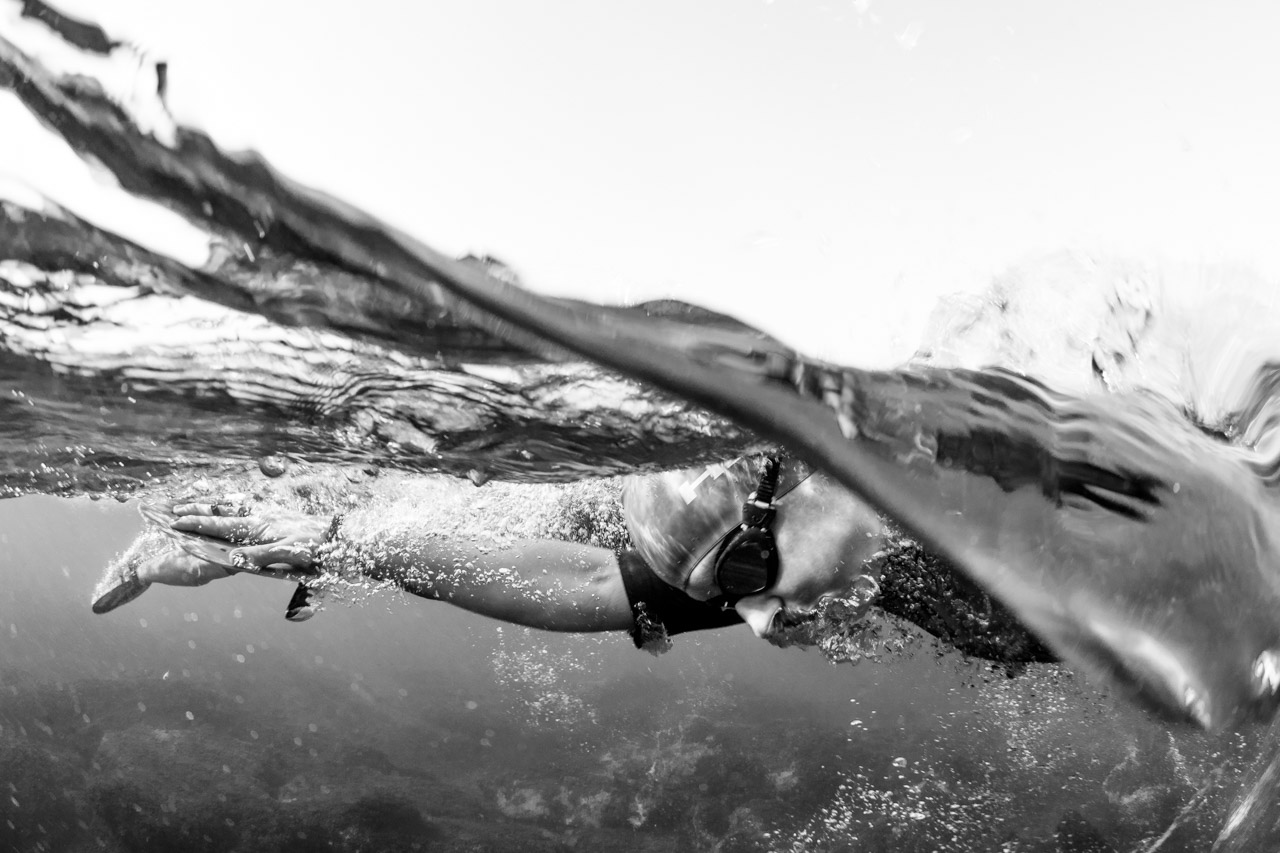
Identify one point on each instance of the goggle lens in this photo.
(748, 564)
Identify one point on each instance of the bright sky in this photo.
(820, 169)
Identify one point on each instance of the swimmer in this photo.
(756, 541)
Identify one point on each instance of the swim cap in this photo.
(678, 517)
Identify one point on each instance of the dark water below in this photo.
(203, 720)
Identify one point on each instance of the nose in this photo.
(758, 612)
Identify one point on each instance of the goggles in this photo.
(748, 560)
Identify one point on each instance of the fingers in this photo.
(221, 508)
(236, 529)
(209, 550)
(299, 556)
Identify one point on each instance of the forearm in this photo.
(552, 585)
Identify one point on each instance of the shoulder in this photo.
(660, 611)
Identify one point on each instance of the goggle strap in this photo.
(768, 483)
(757, 515)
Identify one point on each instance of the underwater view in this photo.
(204, 720)
(323, 529)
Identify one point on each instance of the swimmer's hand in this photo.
(209, 542)
(175, 567)
(148, 561)
(276, 543)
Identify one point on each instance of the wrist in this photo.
(328, 550)
(338, 554)
(136, 569)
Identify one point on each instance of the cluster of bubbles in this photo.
(497, 516)
(543, 683)
(921, 810)
(1024, 762)
(847, 629)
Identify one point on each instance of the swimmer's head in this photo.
(823, 533)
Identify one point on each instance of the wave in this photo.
(1134, 535)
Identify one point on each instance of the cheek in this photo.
(815, 572)
(827, 554)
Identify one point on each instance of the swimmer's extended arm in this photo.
(556, 586)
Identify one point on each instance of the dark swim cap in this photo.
(678, 517)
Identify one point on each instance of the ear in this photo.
(758, 611)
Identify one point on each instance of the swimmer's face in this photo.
(824, 536)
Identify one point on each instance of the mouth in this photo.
(833, 619)
(793, 628)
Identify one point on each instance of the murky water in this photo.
(1124, 509)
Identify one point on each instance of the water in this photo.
(505, 737)
(139, 382)
(1130, 528)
